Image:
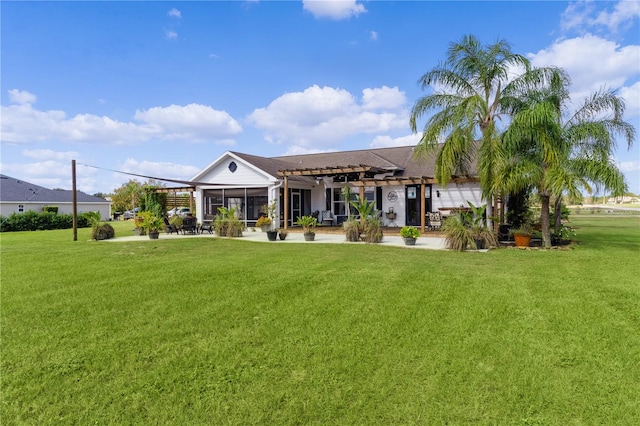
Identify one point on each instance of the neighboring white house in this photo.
(303, 184)
(18, 196)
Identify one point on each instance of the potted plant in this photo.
(152, 224)
(138, 222)
(308, 224)
(390, 214)
(99, 230)
(264, 223)
(271, 213)
(522, 235)
(410, 234)
(482, 235)
(282, 234)
(352, 228)
(456, 232)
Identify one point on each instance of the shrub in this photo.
(50, 209)
(372, 230)
(34, 221)
(352, 229)
(102, 231)
(456, 233)
(409, 232)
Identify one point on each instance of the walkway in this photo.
(424, 242)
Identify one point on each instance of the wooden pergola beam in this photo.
(182, 189)
(330, 171)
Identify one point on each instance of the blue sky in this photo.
(164, 88)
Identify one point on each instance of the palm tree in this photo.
(470, 86)
(555, 154)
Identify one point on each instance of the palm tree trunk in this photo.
(557, 207)
(545, 221)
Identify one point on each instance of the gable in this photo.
(231, 169)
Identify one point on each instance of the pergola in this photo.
(362, 176)
(189, 189)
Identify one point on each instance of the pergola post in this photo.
(285, 196)
(422, 206)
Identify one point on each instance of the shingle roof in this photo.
(12, 189)
(394, 159)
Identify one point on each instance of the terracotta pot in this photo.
(522, 240)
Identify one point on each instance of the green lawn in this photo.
(216, 331)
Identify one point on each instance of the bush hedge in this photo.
(34, 221)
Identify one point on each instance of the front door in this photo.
(412, 195)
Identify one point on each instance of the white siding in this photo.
(7, 208)
(244, 175)
(456, 195)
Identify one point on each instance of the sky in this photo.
(164, 88)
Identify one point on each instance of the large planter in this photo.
(409, 241)
(479, 244)
(309, 236)
(272, 235)
(522, 240)
(265, 228)
(154, 235)
(282, 236)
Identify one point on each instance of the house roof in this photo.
(399, 161)
(16, 190)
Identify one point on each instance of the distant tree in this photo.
(127, 195)
(101, 195)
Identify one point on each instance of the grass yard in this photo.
(216, 331)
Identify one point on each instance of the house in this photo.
(303, 184)
(18, 196)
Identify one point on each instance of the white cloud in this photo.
(583, 15)
(49, 154)
(373, 35)
(388, 141)
(383, 98)
(614, 65)
(630, 166)
(174, 13)
(190, 122)
(623, 13)
(333, 9)
(170, 34)
(631, 96)
(22, 124)
(159, 169)
(576, 15)
(319, 117)
(21, 97)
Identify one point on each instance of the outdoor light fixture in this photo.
(438, 193)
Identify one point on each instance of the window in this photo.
(212, 200)
(338, 203)
(20, 208)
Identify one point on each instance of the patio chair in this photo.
(327, 218)
(168, 227)
(435, 220)
(189, 224)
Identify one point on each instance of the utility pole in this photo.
(74, 200)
